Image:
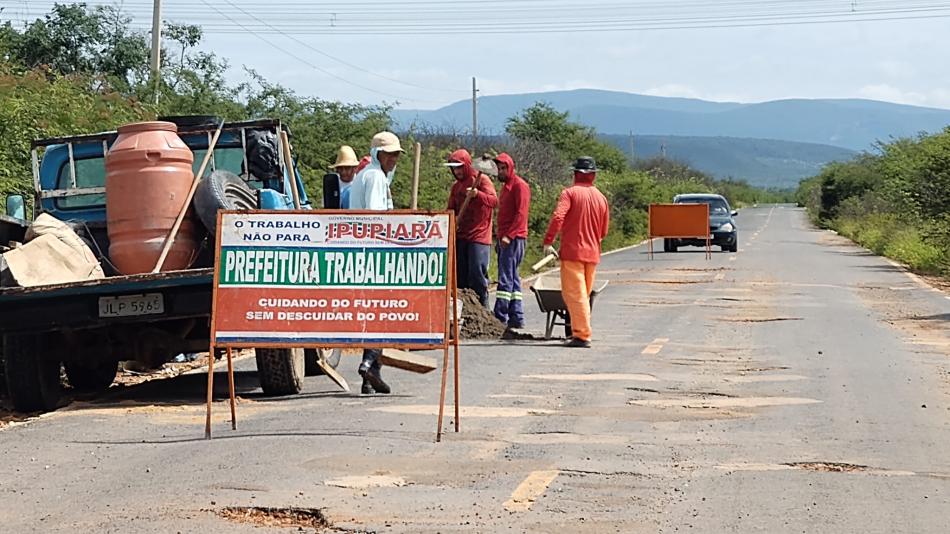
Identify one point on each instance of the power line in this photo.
(348, 64)
(871, 11)
(304, 61)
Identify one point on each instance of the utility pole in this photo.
(156, 57)
(474, 118)
(633, 155)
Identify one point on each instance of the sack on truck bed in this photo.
(52, 254)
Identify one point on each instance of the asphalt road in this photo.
(800, 385)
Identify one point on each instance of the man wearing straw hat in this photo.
(345, 167)
(582, 217)
(370, 191)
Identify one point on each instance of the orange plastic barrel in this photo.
(148, 177)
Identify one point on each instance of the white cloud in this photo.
(938, 98)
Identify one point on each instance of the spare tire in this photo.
(222, 190)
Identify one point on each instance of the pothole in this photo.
(465, 411)
(300, 518)
(828, 467)
(723, 402)
(764, 369)
(595, 377)
(757, 319)
(687, 393)
(367, 481)
(754, 379)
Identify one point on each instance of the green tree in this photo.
(543, 123)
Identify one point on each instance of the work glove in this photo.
(549, 249)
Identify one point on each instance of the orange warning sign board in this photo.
(679, 221)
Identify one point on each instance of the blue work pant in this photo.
(471, 267)
(509, 308)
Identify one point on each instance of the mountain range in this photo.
(722, 138)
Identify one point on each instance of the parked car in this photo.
(722, 225)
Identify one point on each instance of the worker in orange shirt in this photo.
(582, 217)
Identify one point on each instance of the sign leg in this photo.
(231, 389)
(445, 376)
(210, 388)
(456, 369)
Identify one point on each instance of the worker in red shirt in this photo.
(513, 202)
(582, 217)
(473, 200)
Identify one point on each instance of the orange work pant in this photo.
(577, 281)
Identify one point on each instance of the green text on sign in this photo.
(332, 268)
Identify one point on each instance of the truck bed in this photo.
(77, 305)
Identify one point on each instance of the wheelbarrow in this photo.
(548, 292)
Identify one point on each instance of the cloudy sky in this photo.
(423, 53)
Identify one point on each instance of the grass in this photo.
(886, 235)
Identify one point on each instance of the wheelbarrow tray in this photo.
(547, 291)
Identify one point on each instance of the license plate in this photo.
(131, 305)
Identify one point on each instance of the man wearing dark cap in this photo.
(582, 217)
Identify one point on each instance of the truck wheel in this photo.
(280, 371)
(221, 190)
(32, 379)
(331, 356)
(91, 379)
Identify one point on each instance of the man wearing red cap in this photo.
(582, 217)
(513, 203)
(473, 200)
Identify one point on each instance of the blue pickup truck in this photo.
(88, 327)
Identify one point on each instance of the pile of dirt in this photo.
(477, 322)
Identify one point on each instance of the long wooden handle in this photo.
(289, 165)
(170, 238)
(462, 209)
(416, 157)
(544, 261)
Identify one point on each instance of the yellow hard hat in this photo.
(346, 157)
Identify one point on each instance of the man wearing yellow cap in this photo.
(345, 167)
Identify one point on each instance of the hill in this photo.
(761, 162)
(848, 123)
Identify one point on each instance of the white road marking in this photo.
(530, 490)
(657, 345)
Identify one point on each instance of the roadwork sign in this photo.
(332, 279)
